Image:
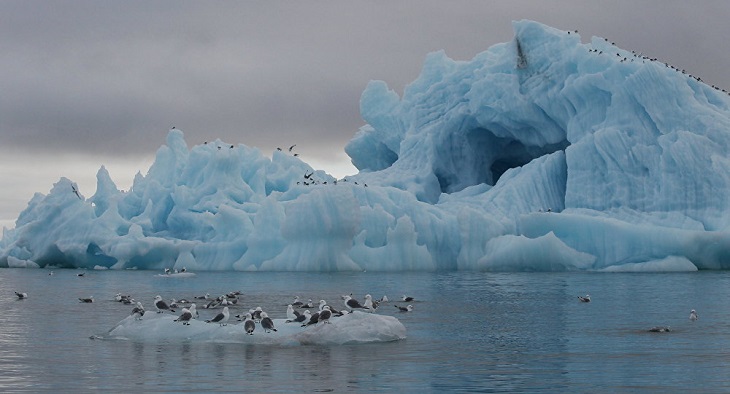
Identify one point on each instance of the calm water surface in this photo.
(470, 332)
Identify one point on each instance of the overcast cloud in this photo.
(86, 83)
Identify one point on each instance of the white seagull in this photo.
(693, 315)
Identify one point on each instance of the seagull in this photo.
(87, 300)
(313, 319)
(292, 147)
(369, 302)
(352, 303)
(693, 315)
(249, 324)
(221, 318)
(76, 191)
(266, 323)
(407, 299)
(185, 317)
(21, 296)
(138, 311)
(296, 302)
(193, 311)
(404, 308)
(325, 314)
(291, 314)
(161, 305)
(587, 298)
(309, 304)
(334, 311)
(205, 297)
(256, 314)
(300, 317)
(660, 329)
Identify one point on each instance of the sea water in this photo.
(468, 331)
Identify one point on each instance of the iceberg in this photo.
(353, 328)
(544, 153)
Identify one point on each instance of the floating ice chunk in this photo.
(668, 264)
(351, 328)
(19, 263)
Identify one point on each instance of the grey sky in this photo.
(86, 83)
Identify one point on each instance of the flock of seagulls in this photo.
(304, 313)
(635, 57)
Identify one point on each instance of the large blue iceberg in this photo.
(542, 153)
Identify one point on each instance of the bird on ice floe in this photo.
(138, 311)
(249, 324)
(161, 305)
(369, 302)
(291, 314)
(185, 317)
(221, 318)
(334, 311)
(404, 308)
(313, 319)
(325, 314)
(587, 298)
(352, 303)
(693, 315)
(266, 323)
(21, 296)
(300, 317)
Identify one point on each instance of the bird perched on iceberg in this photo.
(266, 323)
(138, 311)
(161, 305)
(249, 324)
(221, 318)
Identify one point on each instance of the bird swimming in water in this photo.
(693, 315)
(87, 300)
(404, 308)
(21, 296)
(587, 298)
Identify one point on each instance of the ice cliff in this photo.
(542, 153)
